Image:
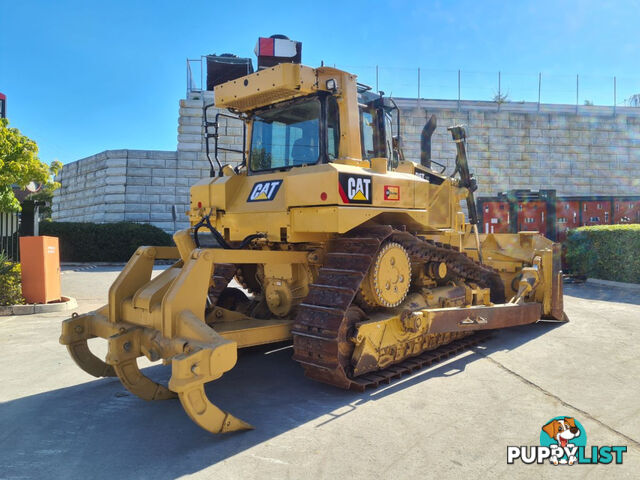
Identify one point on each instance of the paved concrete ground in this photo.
(453, 420)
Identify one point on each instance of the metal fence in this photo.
(502, 87)
(196, 71)
(9, 235)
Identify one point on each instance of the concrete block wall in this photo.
(191, 140)
(145, 185)
(591, 152)
(85, 194)
(123, 185)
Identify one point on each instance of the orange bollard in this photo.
(40, 262)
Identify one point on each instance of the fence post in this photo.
(36, 220)
(539, 88)
(458, 90)
(499, 91)
(614, 95)
(577, 91)
(9, 235)
(377, 89)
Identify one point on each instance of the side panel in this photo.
(342, 197)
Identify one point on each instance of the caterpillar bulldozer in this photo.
(364, 259)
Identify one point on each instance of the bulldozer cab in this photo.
(306, 131)
(295, 116)
(294, 133)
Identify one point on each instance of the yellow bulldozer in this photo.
(336, 241)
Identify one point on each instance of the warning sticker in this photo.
(391, 192)
(354, 188)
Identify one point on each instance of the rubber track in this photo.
(323, 322)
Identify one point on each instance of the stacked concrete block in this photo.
(191, 138)
(121, 185)
(586, 152)
(92, 189)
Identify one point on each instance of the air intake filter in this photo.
(225, 67)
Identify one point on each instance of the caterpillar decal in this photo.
(354, 188)
(264, 191)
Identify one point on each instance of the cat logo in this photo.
(264, 191)
(354, 188)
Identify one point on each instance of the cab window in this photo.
(333, 129)
(367, 127)
(286, 136)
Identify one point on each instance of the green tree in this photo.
(19, 165)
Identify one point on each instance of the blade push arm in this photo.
(462, 168)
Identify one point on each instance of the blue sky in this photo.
(85, 76)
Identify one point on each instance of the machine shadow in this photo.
(602, 293)
(98, 429)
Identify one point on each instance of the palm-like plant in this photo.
(5, 263)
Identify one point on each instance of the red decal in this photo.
(391, 192)
(343, 195)
(266, 47)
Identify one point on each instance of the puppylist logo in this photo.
(563, 441)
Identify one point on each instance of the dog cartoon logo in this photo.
(563, 441)
(562, 431)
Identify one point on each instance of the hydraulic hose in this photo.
(206, 222)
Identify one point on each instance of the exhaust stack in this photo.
(425, 141)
